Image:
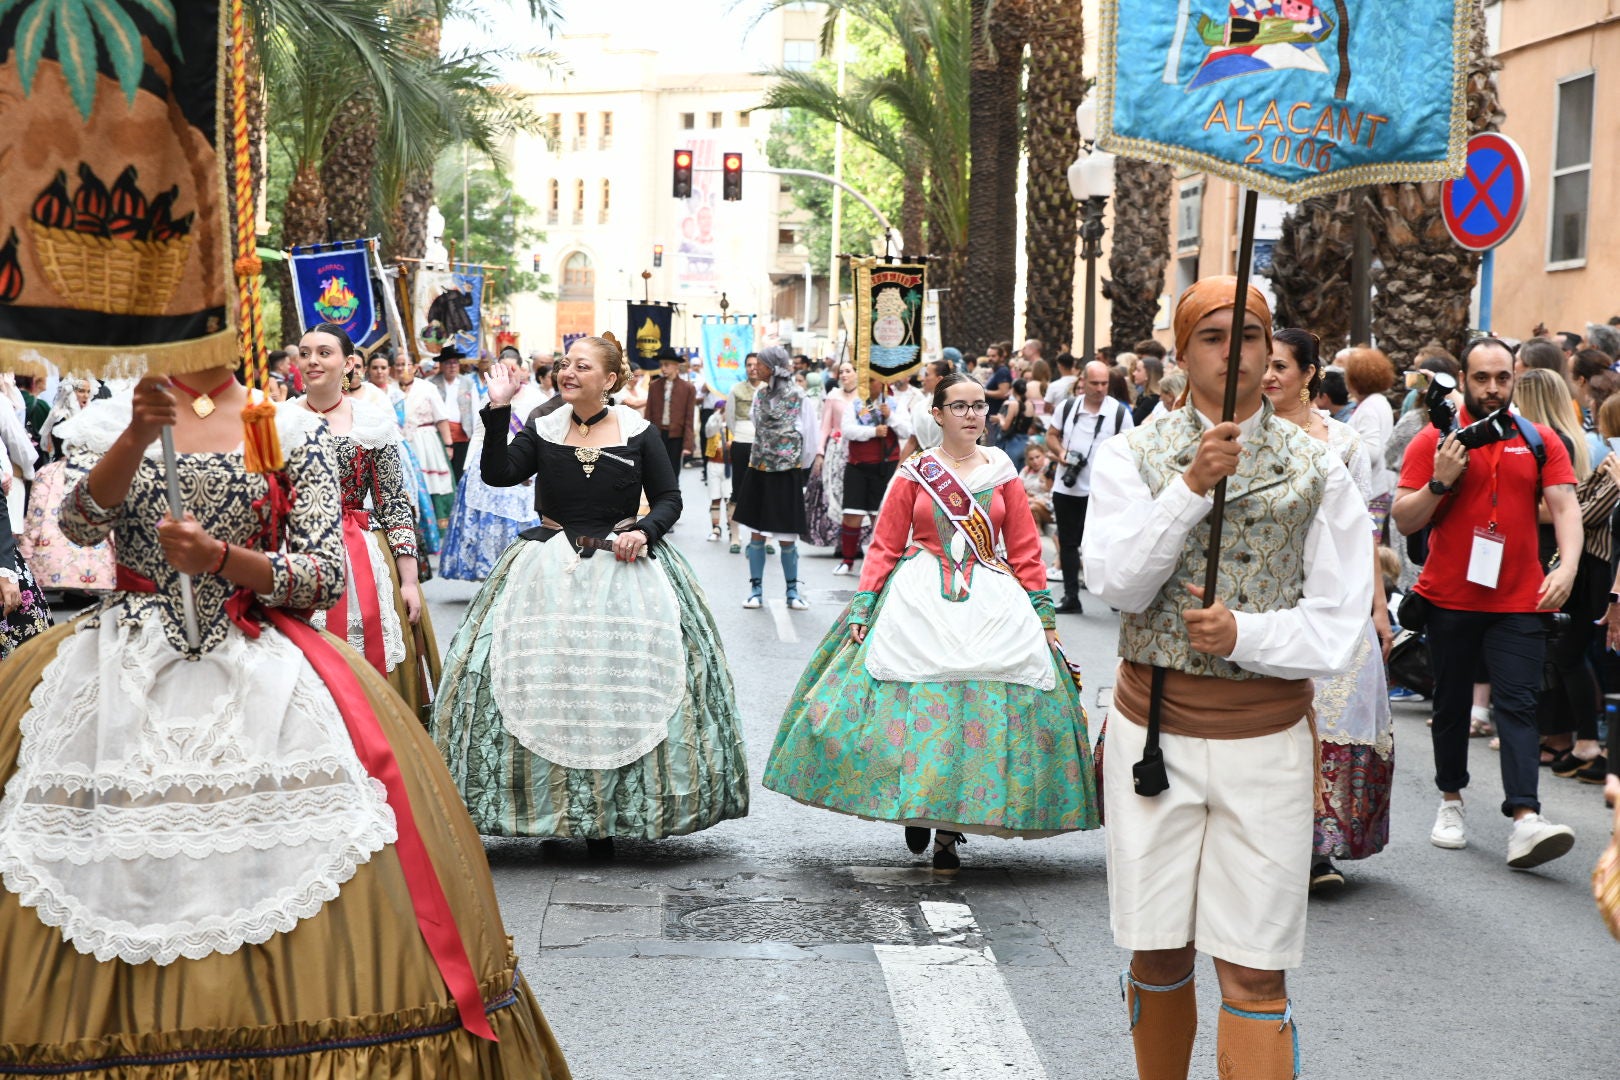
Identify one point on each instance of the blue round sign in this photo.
(1483, 206)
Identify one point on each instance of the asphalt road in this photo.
(797, 943)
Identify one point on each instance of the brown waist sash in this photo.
(1205, 707)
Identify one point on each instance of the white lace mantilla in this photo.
(393, 634)
(588, 663)
(164, 808)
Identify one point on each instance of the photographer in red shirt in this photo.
(1484, 589)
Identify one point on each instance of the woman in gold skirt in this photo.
(227, 848)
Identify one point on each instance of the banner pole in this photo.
(1234, 355)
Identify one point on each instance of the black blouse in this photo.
(584, 504)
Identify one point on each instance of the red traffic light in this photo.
(731, 181)
(683, 174)
(733, 162)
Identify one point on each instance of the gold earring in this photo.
(1304, 395)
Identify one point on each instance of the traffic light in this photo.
(537, 264)
(658, 255)
(683, 174)
(731, 189)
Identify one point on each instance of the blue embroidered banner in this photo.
(649, 329)
(332, 284)
(1289, 97)
(470, 280)
(725, 346)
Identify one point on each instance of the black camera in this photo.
(1495, 427)
(1442, 413)
(1074, 463)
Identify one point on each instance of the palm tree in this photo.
(1057, 83)
(1427, 282)
(914, 115)
(1141, 248)
(993, 95)
(420, 103)
(1310, 266)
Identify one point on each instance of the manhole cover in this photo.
(839, 922)
(832, 596)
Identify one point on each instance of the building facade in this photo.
(600, 173)
(1558, 83)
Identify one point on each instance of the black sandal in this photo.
(945, 858)
(917, 838)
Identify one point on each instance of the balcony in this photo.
(605, 142)
(579, 217)
(551, 217)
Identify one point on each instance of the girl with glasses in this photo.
(941, 701)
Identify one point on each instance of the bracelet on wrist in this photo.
(224, 557)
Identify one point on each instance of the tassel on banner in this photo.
(261, 443)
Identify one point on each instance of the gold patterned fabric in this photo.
(350, 992)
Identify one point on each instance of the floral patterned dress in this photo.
(954, 712)
(1354, 724)
(33, 616)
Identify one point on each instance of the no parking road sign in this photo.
(1484, 205)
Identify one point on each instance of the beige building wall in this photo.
(610, 184)
(1542, 43)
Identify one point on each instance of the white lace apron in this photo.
(587, 664)
(164, 808)
(993, 634)
(393, 635)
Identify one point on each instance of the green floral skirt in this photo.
(696, 777)
(974, 756)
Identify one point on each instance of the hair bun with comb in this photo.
(607, 335)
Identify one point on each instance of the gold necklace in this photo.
(585, 426)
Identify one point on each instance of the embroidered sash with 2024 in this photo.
(958, 504)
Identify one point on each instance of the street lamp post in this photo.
(1091, 181)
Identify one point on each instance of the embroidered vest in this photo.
(1270, 505)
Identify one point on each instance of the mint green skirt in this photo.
(696, 777)
(974, 756)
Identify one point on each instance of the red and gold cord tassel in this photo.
(261, 446)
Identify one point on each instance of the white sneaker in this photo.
(1448, 831)
(843, 569)
(1535, 840)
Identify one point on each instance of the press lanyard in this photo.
(1496, 468)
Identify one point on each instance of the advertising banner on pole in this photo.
(725, 345)
(1289, 97)
(332, 284)
(888, 318)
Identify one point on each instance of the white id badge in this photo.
(1485, 560)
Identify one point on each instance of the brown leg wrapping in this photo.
(1164, 1022)
(1257, 1040)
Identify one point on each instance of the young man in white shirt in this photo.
(1210, 835)
(1078, 428)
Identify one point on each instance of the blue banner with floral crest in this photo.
(1289, 97)
(332, 284)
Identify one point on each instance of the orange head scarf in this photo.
(1211, 294)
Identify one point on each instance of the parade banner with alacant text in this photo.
(1289, 97)
(114, 232)
(889, 302)
(725, 346)
(332, 284)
